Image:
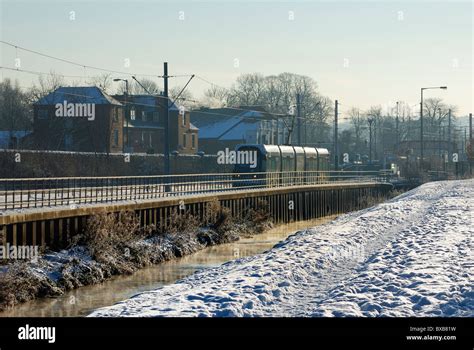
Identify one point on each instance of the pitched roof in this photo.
(216, 129)
(239, 132)
(145, 100)
(78, 94)
(225, 123)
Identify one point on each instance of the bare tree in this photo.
(103, 82)
(277, 95)
(249, 90)
(15, 108)
(215, 97)
(358, 125)
(135, 88)
(180, 97)
(432, 108)
(47, 84)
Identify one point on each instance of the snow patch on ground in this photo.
(410, 256)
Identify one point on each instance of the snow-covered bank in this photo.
(410, 256)
(116, 245)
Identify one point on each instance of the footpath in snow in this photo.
(410, 256)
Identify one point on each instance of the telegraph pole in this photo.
(439, 133)
(397, 126)
(470, 126)
(421, 133)
(449, 138)
(298, 115)
(375, 138)
(449, 133)
(336, 150)
(421, 124)
(370, 120)
(167, 131)
(470, 142)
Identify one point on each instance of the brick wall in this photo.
(56, 164)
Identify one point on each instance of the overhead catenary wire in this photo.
(200, 111)
(85, 66)
(159, 96)
(44, 73)
(82, 65)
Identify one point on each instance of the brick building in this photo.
(80, 119)
(144, 127)
(86, 119)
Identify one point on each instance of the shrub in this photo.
(107, 233)
(181, 223)
(259, 217)
(18, 284)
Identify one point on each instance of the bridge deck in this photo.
(13, 216)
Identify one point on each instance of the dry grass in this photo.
(395, 193)
(259, 216)
(117, 246)
(18, 284)
(108, 232)
(181, 222)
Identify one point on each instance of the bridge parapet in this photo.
(76, 191)
(54, 226)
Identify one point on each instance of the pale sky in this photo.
(361, 53)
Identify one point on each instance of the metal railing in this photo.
(73, 191)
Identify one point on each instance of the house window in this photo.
(132, 114)
(156, 117)
(143, 116)
(149, 116)
(116, 117)
(184, 119)
(42, 113)
(116, 138)
(184, 140)
(193, 141)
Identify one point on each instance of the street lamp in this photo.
(370, 120)
(421, 121)
(126, 109)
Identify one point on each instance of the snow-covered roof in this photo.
(147, 101)
(239, 131)
(215, 130)
(225, 123)
(78, 94)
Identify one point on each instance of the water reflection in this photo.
(82, 301)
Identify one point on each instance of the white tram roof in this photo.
(299, 150)
(266, 150)
(322, 151)
(310, 152)
(287, 151)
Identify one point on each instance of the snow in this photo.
(410, 256)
